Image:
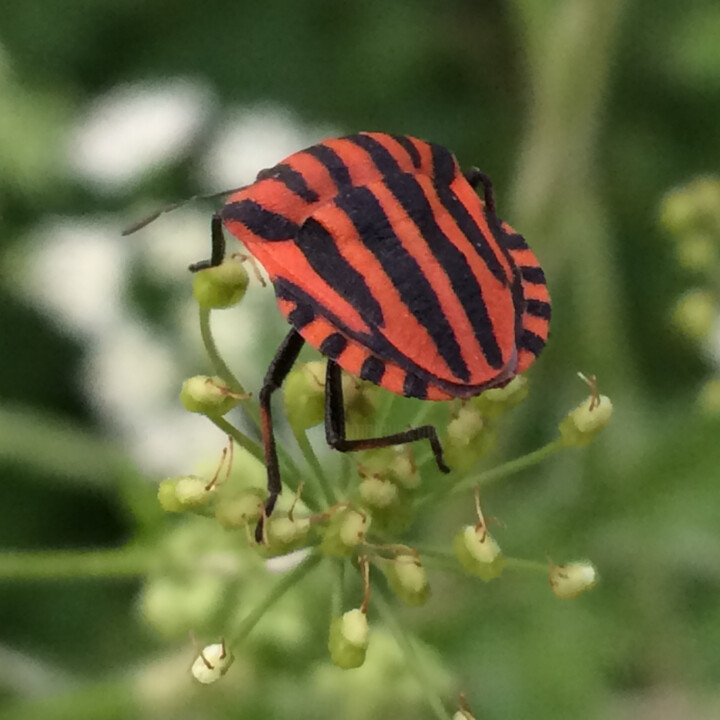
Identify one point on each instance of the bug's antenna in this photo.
(173, 206)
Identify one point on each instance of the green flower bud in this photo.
(168, 497)
(207, 395)
(240, 509)
(695, 313)
(694, 207)
(697, 252)
(709, 398)
(469, 438)
(378, 493)
(494, 402)
(211, 664)
(581, 426)
(349, 639)
(569, 581)
(407, 578)
(304, 395)
(222, 286)
(478, 552)
(403, 470)
(345, 531)
(192, 493)
(286, 534)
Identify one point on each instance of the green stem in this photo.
(522, 564)
(288, 580)
(484, 479)
(337, 600)
(124, 562)
(500, 472)
(255, 449)
(312, 460)
(253, 411)
(446, 560)
(412, 659)
(219, 366)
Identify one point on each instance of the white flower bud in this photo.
(569, 581)
(212, 663)
(480, 544)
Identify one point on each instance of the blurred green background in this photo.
(584, 112)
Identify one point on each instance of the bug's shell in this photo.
(385, 259)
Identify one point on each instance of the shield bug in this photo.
(384, 257)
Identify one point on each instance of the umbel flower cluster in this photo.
(358, 521)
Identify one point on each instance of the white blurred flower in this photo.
(253, 139)
(75, 272)
(137, 126)
(285, 563)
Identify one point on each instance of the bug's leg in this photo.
(335, 424)
(280, 366)
(476, 177)
(217, 253)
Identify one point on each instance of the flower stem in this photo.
(255, 449)
(248, 405)
(124, 562)
(487, 477)
(287, 581)
(412, 659)
(312, 460)
(522, 564)
(337, 600)
(446, 560)
(219, 365)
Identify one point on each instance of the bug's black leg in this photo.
(217, 253)
(335, 424)
(476, 177)
(280, 366)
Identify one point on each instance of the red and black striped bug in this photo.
(385, 259)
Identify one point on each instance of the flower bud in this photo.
(694, 207)
(286, 534)
(192, 493)
(207, 395)
(349, 638)
(407, 578)
(709, 398)
(695, 313)
(494, 402)
(478, 552)
(469, 438)
(697, 252)
(241, 509)
(581, 426)
(167, 496)
(463, 715)
(221, 286)
(304, 395)
(345, 531)
(378, 493)
(403, 470)
(212, 663)
(569, 581)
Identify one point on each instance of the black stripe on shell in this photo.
(264, 223)
(404, 272)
